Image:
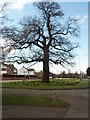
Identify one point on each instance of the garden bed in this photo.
(53, 84)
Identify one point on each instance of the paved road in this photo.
(78, 108)
(32, 112)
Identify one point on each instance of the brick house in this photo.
(8, 69)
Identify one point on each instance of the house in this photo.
(39, 74)
(26, 71)
(7, 69)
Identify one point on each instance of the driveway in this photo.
(78, 108)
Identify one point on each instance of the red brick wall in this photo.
(13, 78)
(10, 72)
(18, 77)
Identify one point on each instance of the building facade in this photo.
(26, 71)
(8, 69)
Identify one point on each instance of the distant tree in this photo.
(76, 75)
(63, 74)
(43, 39)
(69, 75)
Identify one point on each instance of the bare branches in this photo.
(36, 34)
(22, 59)
(70, 28)
(49, 8)
(3, 11)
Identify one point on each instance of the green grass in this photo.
(54, 84)
(32, 101)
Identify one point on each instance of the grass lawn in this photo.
(32, 101)
(53, 84)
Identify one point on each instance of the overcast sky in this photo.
(21, 8)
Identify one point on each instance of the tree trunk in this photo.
(46, 65)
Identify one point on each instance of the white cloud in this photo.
(17, 4)
(2, 1)
(2, 42)
(83, 19)
(78, 16)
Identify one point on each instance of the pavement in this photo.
(78, 100)
(32, 112)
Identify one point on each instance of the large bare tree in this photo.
(43, 38)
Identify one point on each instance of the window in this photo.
(3, 69)
(25, 71)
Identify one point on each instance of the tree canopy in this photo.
(44, 38)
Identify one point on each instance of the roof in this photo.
(11, 66)
(29, 69)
